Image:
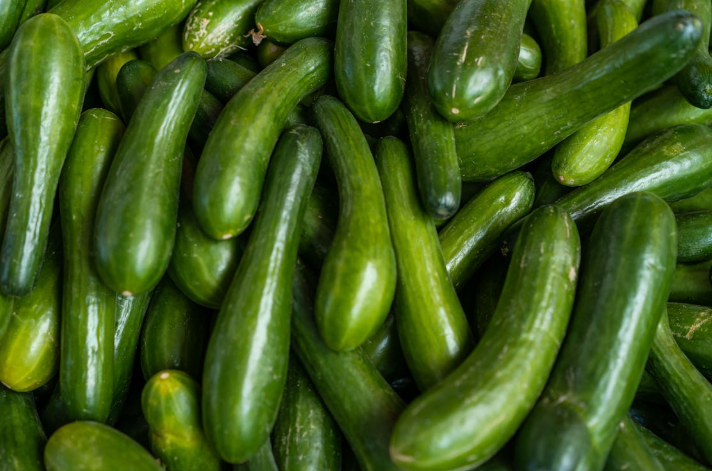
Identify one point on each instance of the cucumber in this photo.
(384, 350)
(288, 21)
(231, 171)
(88, 306)
(691, 283)
(630, 451)
(246, 361)
(319, 225)
(22, 439)
(475, 57)
(358, 279)
(165, 48)
(360, 400)
(429, 16)
(133, 248)
(700, 202)
(171, 405)
(7, 168)
(513, 134)
(262, 460)
(91, 446)
(529, 60)
(305, 436)
(133, 80)
(587, 153)
(488, 288)
(106, 74)
(694, 236)
(225, 78)
(44, 83)
(201, 267)
(671, 458)
(690, 327)
(268, 52)
(218, 27)
(209, 108)
(561, 25)
(370, 57)
(548, 190)
(622, 294)
(245, 60)
(465, 419)
(32, 8)
(432, 136)
(11, 13)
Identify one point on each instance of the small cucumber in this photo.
(165, 48)
(106, 74)
(22, 439)
(288, 21)
(262, 460)
(11, 13)
(702, 201)
(133, 80)
(225, 78)
(691, 283)
(358, 279)
(561, 25)
(671, 458)
(690, 326)
(630, 451)
(218, 27)
(529, 61)
(694, 236)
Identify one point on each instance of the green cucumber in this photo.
(384, 350)
(88, 306)
(171, 405)
(91, 446)
(370, 57)
(529, 61)
(561, 25)
(694, 236)
(305, 436)
(690, 326)
(429, 16)
(232, 168)
(691, 283)
(630, 451)
(22, 439)
(32, 8)
(225, 78)
(358, 279)
(671, 458)
(246, 361)
(465, 419)
(513, 133)
(268, 52)
(133, 248)
(488, 288)
(319, 225)
(218, 27)
(475, 57)
(106, 73)
(587, 153)
(11, 13)
(209, 108)
(702, 201)
(46, 86)
(245, 60)
(432, 136)
(262, 460)
(7, 166)
(288, 21)
(133, 80)
(622, 294)
(165, 48)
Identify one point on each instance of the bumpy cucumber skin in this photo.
(132, 81)
(432, 136)
(500, 381)
(475, 57)
(691, 283)
(529, 61)
(165, 48)
(288, 21)
(671, 458)
(370, 57)
(11, 13)
(692, 331)
(133, 249)
(246, 361)
(513, 133)
(22, 439)
(561, 25)
(623, 290)
(88, 306)
(218, 27)
(232, 168)
(106, 74)
(694, 236)
(358, 278)
(630, 451)
(171, 404)
(226, 78)
(44, 84)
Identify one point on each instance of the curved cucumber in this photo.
(694, 236)
(226, 78)
(288, 21)
(44, 84)
(630, 451)
(358, 279)
(165, 48)
(22, 439)
(621, 296)
(11, 14)
(465, 419)
(132, 81)
(88, 306)
(231, 171)
(690, 326)
(370, 57)
(218, 27)
(432, 136)
(106, 74)
(512, 134)
(691, 283)
(133, 248)
(561, 25)
(246, 361)
(529, 61)
(171, 405)
(475, 57)
(671, 458)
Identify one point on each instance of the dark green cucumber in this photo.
(44, 83)
(22, 439)
(246, 361)
(29, 350)
(288, 21)
(690, 326)
(432, 326)
(268, 52)
(133, 80)
(165, 48)
(548, 190)
(219, 27)
(702, 201)
(475, 57)
(691, 283)
(245, 60)
(370, 57)
(32, 8)
(358, 279)
(529, 61)
(561, 25)
(319, 225)
(262, 460)
(694, 236)
(171, 405)
(488, 288)
(513, 133)
(305, 436)
(432, 136)
(587, 153)
(473, 234)
(7, 166)
(232, 168)
(88, 306)
(225, 78)
(630, 451)
(209, 108)
(91, 446)
(671, 458)
(11, 13)
(106, 74)
(384, 350)
(360, 400)
(465, 419)
(133, 248)
(621, 296)
(429, 16)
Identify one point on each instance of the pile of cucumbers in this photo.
(376, 235)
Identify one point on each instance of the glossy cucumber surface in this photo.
(561, 25)
(106, 73)
(695, 236)
(11, 13)
(165, 48)
(22, 439)
(529, 61)
(288, 21)
(219, 27)
(132, 81)
(691, 283)
(226, 77)
(630, 451)
(671, 458)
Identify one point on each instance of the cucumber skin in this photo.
(132, 81)
(370, 57)
(231, 171)
(218, 27)
(39, 88)
(165, 48)
(262, 460)
(671, 458)
(512, 134)
(209, 108)
(429, 16)
(475, 57)
(529, 60)
(690, 328)
(630, 451)
(226, 78)
(11, 13)
(442, 429)
(106, 74)
(22, 439)
(268, 52)
(561, 25)
(695, 236)
(133, 249)
(88, 306)
(7, 168)
(358, 277)
(702, 201)
(288, 21)
(621, 296)
(319, 225)
(691, 283)
(246, 360)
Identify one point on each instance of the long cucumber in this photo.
(561, 25)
